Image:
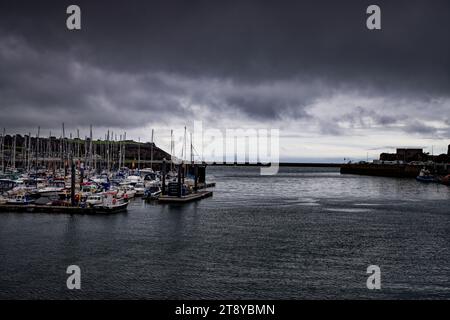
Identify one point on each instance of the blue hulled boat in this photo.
(426, 176)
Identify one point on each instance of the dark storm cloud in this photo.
(44, 87)
(140, 61)
(420, 128)
(360, 117)
(370, 118)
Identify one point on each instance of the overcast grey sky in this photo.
(311, 68)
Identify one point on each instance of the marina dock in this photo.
(188, 198)
(206, 185)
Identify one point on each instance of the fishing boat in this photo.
(22, 189)
(112, 208)
(89, 188)
(110, 204)
(139, 188)
(425, 176)
(133, 179)
(7, 184)
(146, 171)
(101, 179)
(151, 179)
(445, 180)
(171, 175)
(27, 186)
(94, 199)
(53, 188)
(20, 199)
(125, 190)
(152, 193)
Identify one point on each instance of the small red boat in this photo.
(446, 180)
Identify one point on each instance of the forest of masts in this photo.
(51, 153)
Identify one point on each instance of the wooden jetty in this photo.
(183, 199)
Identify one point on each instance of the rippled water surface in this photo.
(305, 233)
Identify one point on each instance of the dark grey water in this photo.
(305, 233)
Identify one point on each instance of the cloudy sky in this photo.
(310, 68)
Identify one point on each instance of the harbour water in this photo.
(306, 233)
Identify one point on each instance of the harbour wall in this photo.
(394, 170)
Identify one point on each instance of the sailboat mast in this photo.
(64, 144)
(107, 152)
(151, 151)
(192, 153)
(3, 149)
(172, 151)
(120, 152)
(124, 149)
(90, 148)
(139, 153)
(13, 163)
(184, 149)
(37, 149)
(78, 144)
(29, 152)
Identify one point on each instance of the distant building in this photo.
(408, 155)
(404, 155)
